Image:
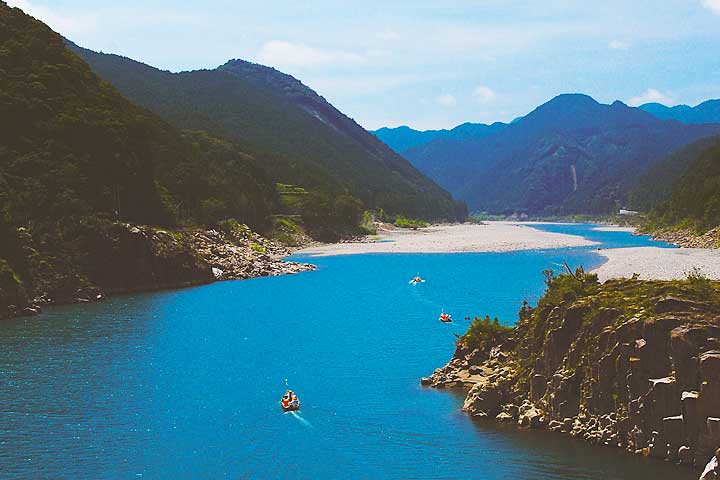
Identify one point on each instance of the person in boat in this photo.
(287, 398)
(417, 279)
(290, 400)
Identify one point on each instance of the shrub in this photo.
(403, 222)
(485, 333)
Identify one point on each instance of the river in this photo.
(185, 384)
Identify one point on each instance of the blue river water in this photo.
(185, 384)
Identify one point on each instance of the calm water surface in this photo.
(185, 384)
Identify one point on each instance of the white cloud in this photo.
(712, 5)
(283, 54)
(65, 25)
(446, 100)
(353, 85)
(619, 45)
(483, 94)
(651, 95)
(388, 35)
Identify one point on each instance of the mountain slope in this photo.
(402, 139)
(655, 187)
(570, 155)
(79, 162)
(76, 146)
(695, 198)
(300, 137)
(706, 112)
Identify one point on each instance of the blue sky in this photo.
(426, 64)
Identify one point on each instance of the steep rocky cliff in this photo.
(628, 363)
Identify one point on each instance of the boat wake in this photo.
(301, 419)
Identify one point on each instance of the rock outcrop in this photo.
(630, 364)
(121, 258)
(689, 239)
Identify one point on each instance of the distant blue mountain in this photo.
(706, 112)
(402, 139)
(570, 155)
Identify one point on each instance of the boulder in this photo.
(504, 417)
(483, 399)
(673, 430)
(658, 447)
(538, 385)
(710, 366)
(673, 303)
(685, 455)
(712, 469)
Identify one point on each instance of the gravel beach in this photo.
(489, 237)
(659, 263)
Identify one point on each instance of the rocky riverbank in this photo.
(122, 258)
(689, 239)
(630, 364)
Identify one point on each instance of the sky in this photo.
(426, 64)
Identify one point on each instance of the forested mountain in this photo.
(76, 147)
(695, 198)
(655, 187)
(570, 155)
(706, 112)
(78, 160)
(402, 139)
(299, 136)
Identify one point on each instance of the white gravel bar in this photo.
(489, 237)
(659, 263)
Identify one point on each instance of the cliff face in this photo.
(111, 258)
(632, 364)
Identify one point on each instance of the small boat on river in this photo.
(290, 402)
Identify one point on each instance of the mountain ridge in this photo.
(295, 132)
(403, 138)
(704, 112)
(569, 155)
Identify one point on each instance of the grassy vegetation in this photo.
(403, 222)
(615, 219)
(257, 248)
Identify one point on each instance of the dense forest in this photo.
(76, 147)
(76, 158)
(654, 189)
(694, 201)
(295, 133)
